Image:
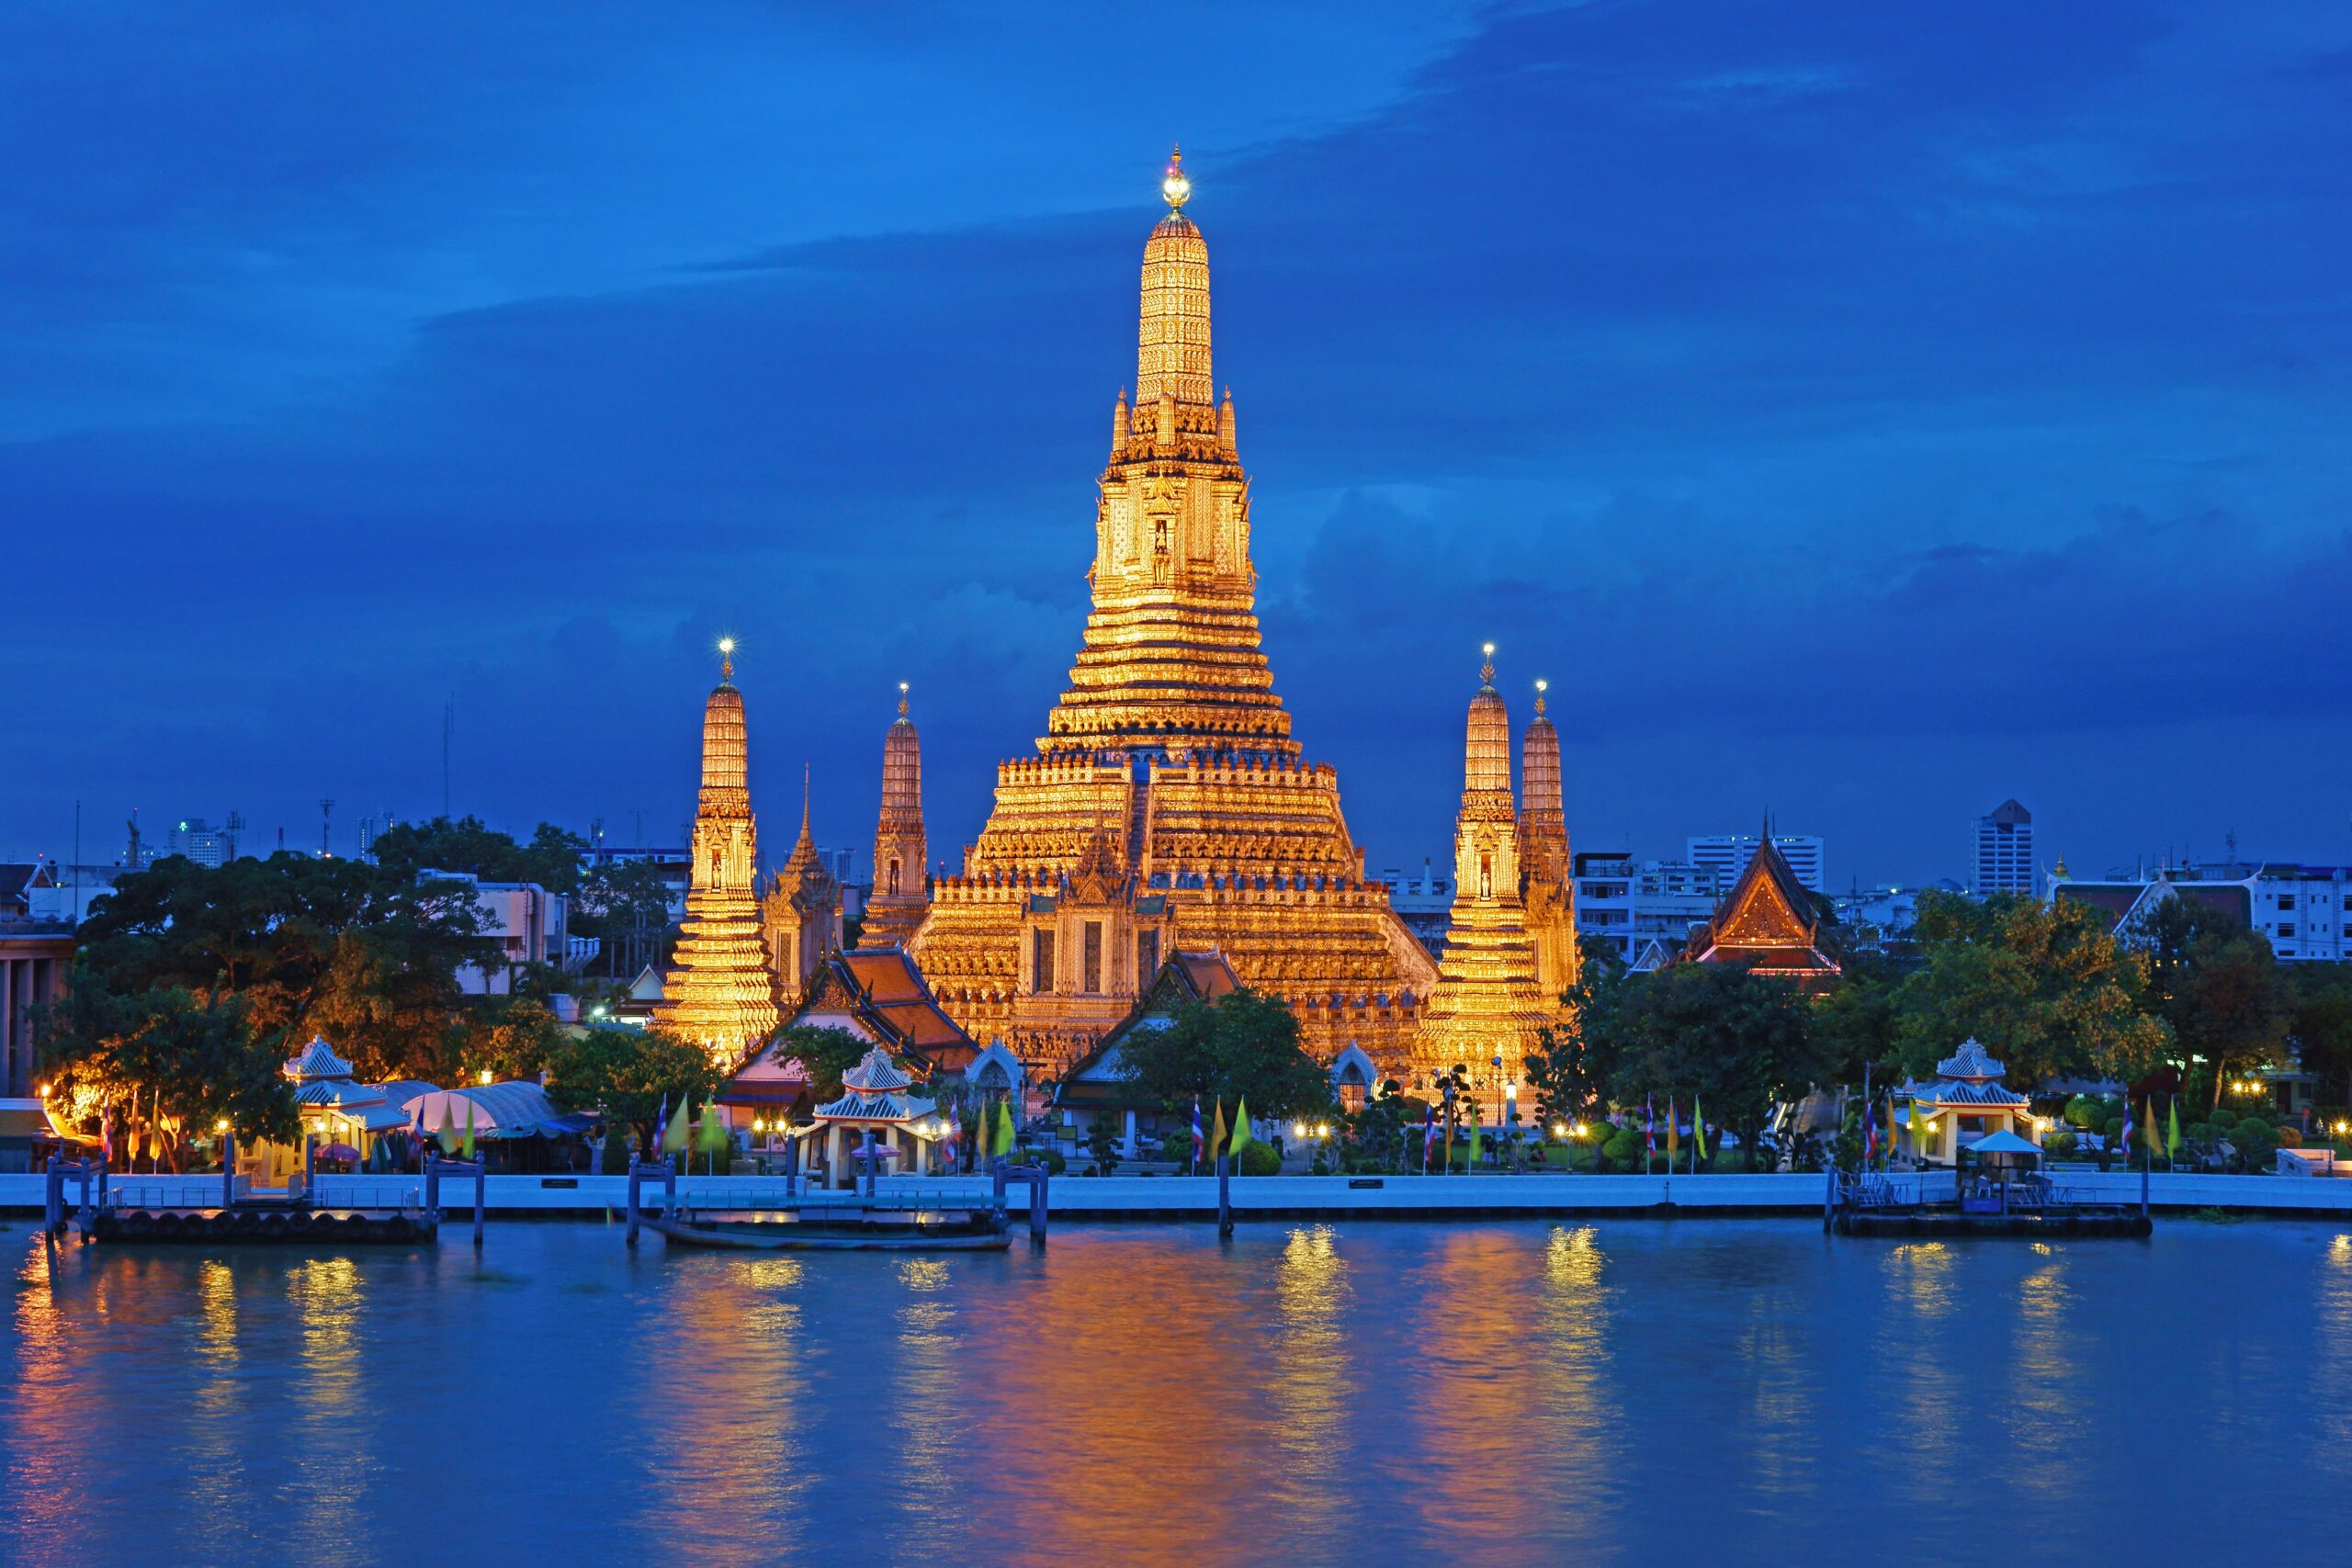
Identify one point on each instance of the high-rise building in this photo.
(902, 895)
(1485, 1010)
(204, 844)
(2004, 852)
(1728, 854)
(720, 991)
(1169, 806)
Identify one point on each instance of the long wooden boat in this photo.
(978, 1231)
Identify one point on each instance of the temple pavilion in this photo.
(1965, 1103)
(874, 1099)
(1767, 920)
(1169, 808)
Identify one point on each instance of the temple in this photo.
(800, 915)
(901, 890)
(1767, 921)
(1488, 1003)
(1548, 872)
(720, 992)
(1169, 805)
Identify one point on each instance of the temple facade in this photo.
(1488, 1003)
(1169, 804)
(720, 992)
(800, 915)
(901, 894)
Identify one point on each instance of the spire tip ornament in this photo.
(1542, 686)
(1174, 189)
(727, 659)
(1486, 671)
(903, 699)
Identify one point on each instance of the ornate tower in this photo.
(801, 914)
(901, 893)
(718, 992)
(1168, 803)
(1549, 885)
(1487, 1003)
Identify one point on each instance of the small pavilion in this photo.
(874, 1099)
(1965, 1104)
(345, 1117)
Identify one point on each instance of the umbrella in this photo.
(338, 1151)
(2004, 1144)
(880, 1151)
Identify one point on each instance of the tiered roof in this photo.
(1768, 919)
(874, 1090)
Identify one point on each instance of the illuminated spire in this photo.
(1173, 186)
(902, 895)
(1486, 757)
(1173, 341)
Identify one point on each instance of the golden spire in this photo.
(803, 803)
(1172, 339)
(1486, 758)
(727, 659)
(1173, 186)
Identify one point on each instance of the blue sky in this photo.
(1866, 412)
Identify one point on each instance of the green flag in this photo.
(1240, 1126)
(468, 1149)
(712, 1137)
(1698, 1134)
(673, 1136)
(1477, 1144)
(2172, 1129)
(1005, 1131)
(447, 1136)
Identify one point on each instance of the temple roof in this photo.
(1094, 1079)
(316, 1060)
(881, 988)
(1767, 920)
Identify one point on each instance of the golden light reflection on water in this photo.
(218, 1506)
(47, 1484)
(1929, 1395)
(718, 1408)
(2043, 1419)
(925, 1413)
(1572, 1370)
(328, 1454)
(1483, 1470)
(1312, 1385)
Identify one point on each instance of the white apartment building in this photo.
(1727, 855)
(527, 923)
(2302, 909)
(1632, 904)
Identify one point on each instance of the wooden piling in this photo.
(1224, 1193)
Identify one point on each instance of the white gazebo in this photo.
(1965, 1104)
(874, 1099)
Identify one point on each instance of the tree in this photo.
(627, 1075)
(2319, 1000)
(1738, 1040)
(513, 1039)
(1243, 1045)
(2042, 986)
(827, 1052)
(1102, 1143)
(626, 908)
(2228, 1003)
(551, 859)
(163, 1061)
(1571, 1067)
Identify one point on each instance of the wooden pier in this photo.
(339, 1212)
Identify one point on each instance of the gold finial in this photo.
(1486, 671)
(1173, 186)
(727, 659)
(1541, 687)
(903, 699)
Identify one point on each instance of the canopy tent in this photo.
(2002, 1143)
(500, 1111)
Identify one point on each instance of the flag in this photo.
(1919, 1129)
(448, 1134)
(1477, 1143)
(106, 1136)
(1240, 1125)
(2155, 1139)
(1428, 1135)
(712, 1137)
(2172, 1129)
(1649, 1130)
(1870, 1135)
(1198, 1147)
(1890, 1125)
(468, 1148)
(1006, 1132)
(1698, 1134)
(2124, 1143)
(416, 1132)
(1673, 1133)
(673, 1136)
(1217, 1137)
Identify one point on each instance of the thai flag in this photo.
(106, 1136)
(1649, 1125)
(1200, 1140)
(1869, 1132)
(1428, 1136)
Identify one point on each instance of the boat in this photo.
(978, 1230)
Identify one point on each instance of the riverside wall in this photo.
(1269, 1197)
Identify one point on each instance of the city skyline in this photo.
(1851, 502)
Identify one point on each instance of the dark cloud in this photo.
(1877, 412)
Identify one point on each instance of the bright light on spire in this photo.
(1173, 186)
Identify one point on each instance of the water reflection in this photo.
(2044, 1420)
(218, 1506)
(1480, 1483)
(2332, 1359)
(327, 1454)
(1773, 1350)
(716, 1412)
(926, 1413)
(1579, 1417)
(1927, 1398)
(47, 1477)
(1312, 1387)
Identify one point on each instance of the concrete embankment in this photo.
(1272, 1197)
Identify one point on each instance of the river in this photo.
(1362, 1392)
